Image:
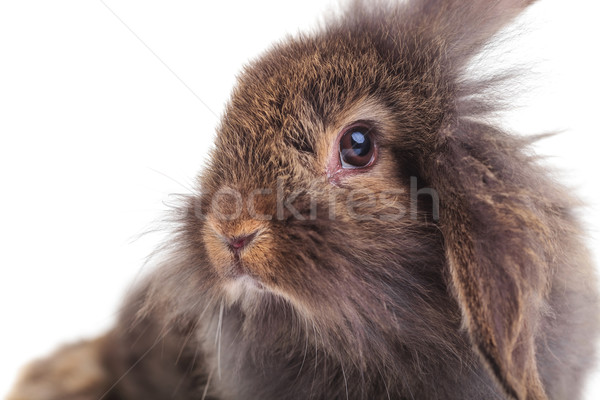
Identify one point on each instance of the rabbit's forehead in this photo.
(314, 83)
(293, 110)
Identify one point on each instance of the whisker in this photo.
(305, 347)
(185, 342)
(158, 340)
(345, 380)
(218, 339)
(206, 387)
(189, 189)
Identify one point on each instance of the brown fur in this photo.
(494, 299)
(73, 372)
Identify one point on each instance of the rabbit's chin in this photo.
(243, 287)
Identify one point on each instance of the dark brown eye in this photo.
(356, 147)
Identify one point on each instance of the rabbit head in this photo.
(353, 190)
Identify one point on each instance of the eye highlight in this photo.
(357, 147)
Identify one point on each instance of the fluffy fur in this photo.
(494, 297)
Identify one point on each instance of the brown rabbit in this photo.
(359, 233)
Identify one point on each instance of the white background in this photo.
(97, 132)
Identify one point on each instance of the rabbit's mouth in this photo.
(240, 272)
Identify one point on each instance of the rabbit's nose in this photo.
(237, 243)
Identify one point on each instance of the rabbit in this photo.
(361, 231)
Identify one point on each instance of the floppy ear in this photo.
(498, 236)
(498, 224)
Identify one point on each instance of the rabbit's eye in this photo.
(356, 148)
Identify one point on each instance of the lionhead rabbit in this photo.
(360, 232)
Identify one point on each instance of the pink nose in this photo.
(239, 242)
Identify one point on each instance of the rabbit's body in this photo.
(446, 266)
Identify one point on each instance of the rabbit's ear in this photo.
(496, 219)
(463, 26)
(498, 237)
